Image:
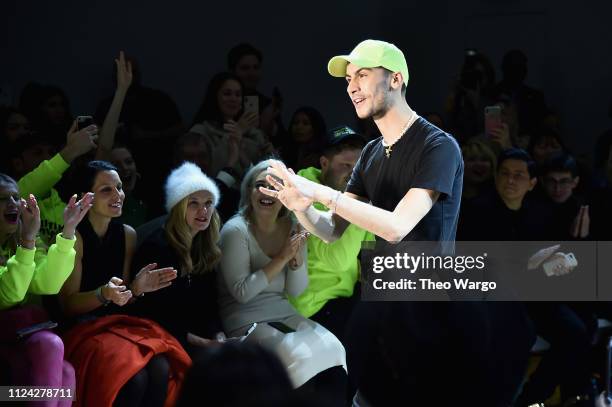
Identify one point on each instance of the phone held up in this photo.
(84, 121)
(493, 118)
(251, 104)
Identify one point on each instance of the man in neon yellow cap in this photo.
(407, 186)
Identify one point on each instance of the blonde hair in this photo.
(477, 147)
(199, 254)
(245, 207)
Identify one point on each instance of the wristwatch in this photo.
(100, 296)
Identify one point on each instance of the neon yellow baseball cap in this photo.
(371, 54)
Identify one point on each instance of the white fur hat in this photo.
(185, 180)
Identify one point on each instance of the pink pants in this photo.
(38, 360)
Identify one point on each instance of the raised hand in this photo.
(501, 135)
(300, 236)
(295, 192)
(124, 72)
(248, 121)
(116, 292)
(199, 341)
(150, 279)
(79, 142)
(291, 248)
(30, 220)
(75, 212)
(582, 223)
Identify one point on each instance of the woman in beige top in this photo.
(224, 126)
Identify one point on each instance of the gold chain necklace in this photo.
(389, 148)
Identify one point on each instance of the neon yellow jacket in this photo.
(40, 182)
(35, 271)
(333, 268)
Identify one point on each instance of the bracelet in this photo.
(334, 202)
(30, 241)
(100, 296)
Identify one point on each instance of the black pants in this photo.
(423, 353)
(569, 329)
(148, 387)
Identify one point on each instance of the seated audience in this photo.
(187, 242)
(471, 93)
(559, 179)
(221, 120)
(245, 61)
(48, 111)
(150, 117)
(333, 269)
(190, 147)
(39, 169)
(509, 214)
(113, 365)
(305, 139)
(13, 125)
(530, 102)
(27, 270)
(135, 211)
(545, 143)
(264, 261)
(480, 167)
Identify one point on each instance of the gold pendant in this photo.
(388, 151)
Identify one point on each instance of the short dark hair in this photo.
(543, 132)
(85, 176)
(240, 50)
(518, 154)
(388, 72)
(561, 162)
(256, 371)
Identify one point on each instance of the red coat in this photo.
(110, 350)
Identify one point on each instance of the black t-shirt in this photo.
(425, 157)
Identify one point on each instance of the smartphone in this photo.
(492, 118)
(286, 329)
(243, 337)
(250, 330)
(84, 121)
(251, 104)
(29, 330)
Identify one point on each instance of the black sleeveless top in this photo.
(103, 258)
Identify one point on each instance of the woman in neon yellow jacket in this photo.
(28, 270)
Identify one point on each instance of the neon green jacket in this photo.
(40, 182)
(333, 268)
(35, 271)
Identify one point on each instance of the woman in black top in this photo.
(188, 242)
(98, 285)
